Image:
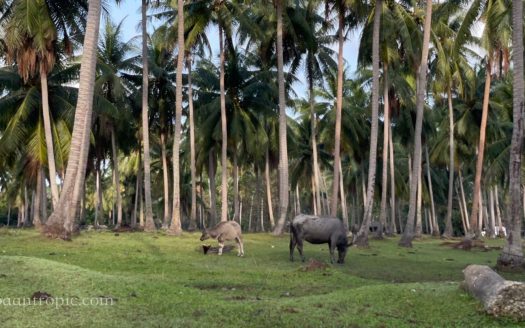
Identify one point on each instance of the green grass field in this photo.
(160, 281)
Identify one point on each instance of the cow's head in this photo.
(205, 235)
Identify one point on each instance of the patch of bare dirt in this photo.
(41, 296)
(314, 265)
(468, 245)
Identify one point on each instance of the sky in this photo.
(129, 10)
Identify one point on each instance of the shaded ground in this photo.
(159, 281)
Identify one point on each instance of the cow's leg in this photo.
(240, 245)
(292, 245)
(300, 248)
(331, 247)
(221, 245)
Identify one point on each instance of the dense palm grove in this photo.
(159, 132)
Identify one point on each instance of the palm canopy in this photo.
(21, 120)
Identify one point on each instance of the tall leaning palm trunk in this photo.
(193, 170)
(150, 224)
(362, 235)
(313, 126)
(338, 111)
(408, 233)
(384, 169)
(475, 229)
(49, 137)
(448, 219)
(512, 253)
(116, 172)
(175, 227)
(224, 130)
(61, 224)
(283, 146)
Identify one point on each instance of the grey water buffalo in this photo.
(225, 231)
(319, 230)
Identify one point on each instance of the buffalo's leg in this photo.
(221, 245)
(300, 248)
(292, 246)
(241, 246)
(331, 247)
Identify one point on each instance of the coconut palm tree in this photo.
(512, 253)
(175, 227)
(450, 75)
(283, 146)
(314, 43)
(362, 235)
(61, 224)
(495, 40)
(32, 44)
(112, 83)
(150, 224)
(408, 233)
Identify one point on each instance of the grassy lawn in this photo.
(160, 281)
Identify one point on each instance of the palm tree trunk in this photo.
(37, 204)
(82, 215)
(464, 202)
(419, 202)
(338, 112)
(117, 177)
(498, 212)
(344, 207)
(193, 169)
(49, 139)
(480, 212)
(433, 221)
(283, 146)
(392, 183)
(25, 221)
(213, 188)
(362, 235)
(141, 208)
(408, 235)
(298, 199)
(235, 187)
(98, 196)
(313, 123)
(224, 147)
(269, 189)
(475, 231)
(448, 219)
(175, 227)
(250, 215)
(314, 197)
(384, 169)
(492, 214)
(166, 181)
(138, 187)
(512, 253)
(8, 213)
(150, 224)
(462, 212)
(240, 212)
(61, 223)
